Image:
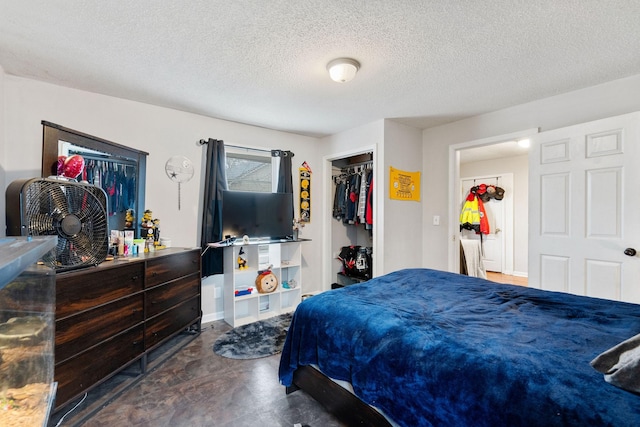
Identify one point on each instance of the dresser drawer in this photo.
(164, 297)
(77, 374)
(166, 268)
(168, 323)
(85, 289)
(76, 333)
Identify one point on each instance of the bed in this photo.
(426, 347)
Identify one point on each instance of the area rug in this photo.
(259, 339)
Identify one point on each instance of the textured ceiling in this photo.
(424, 62)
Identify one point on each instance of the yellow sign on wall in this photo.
(404, 185)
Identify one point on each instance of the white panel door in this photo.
(584, 209)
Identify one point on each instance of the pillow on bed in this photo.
(621, 364)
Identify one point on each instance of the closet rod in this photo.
(352, 165)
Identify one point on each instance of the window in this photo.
(249, 171)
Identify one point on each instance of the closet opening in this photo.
(351, 218)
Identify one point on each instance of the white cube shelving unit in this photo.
(285, 259)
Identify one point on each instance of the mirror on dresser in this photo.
(117, 169)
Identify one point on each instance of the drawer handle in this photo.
(136, 342)
(134, 278)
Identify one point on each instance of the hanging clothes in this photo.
(353, 197)
(369, 210)
(470, 214)
(362, 197)
(473, 215)
(339, 199)
(484, 221)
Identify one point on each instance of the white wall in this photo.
(159, 131)
(606, 100)
(519, 167)
(403, 221)
(397, 224)
(369, 137)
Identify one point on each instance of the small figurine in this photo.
(242, 260)
(147, 221)
(156, 232)
(266, 281)
(148, 230)
(128, 219)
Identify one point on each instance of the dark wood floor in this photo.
(199, 388)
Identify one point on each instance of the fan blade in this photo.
(63, 250)
(57, 199)
(41, 224)
(82, 243)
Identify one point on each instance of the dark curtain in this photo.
(285, 180)
(215, 183)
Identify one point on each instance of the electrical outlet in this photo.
(436, 220)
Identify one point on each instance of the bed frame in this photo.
(339, 402)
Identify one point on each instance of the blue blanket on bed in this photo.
(435, 348)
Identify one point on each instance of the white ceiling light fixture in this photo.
(343, 70)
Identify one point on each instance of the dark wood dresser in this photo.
(115, 314)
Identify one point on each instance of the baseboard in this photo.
(212, 317)
(520, 274)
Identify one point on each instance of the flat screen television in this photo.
(257, 215)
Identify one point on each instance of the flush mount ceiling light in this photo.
(343, 70)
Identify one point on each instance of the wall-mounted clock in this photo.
(179, 169)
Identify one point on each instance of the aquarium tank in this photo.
(27, 333)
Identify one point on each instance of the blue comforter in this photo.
(435, 348)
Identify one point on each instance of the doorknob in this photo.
(498, 230)
(630, 252)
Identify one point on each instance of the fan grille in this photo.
(74, 212)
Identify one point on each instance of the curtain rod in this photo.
(204, 142)
(248, 148)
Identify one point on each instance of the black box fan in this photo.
(75, 212)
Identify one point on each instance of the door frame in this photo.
(328, 251)
(455, 199)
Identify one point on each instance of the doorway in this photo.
(497, 246)
(494, 156)
(334, 235)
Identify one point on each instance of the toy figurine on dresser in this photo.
(156, 232)
(148, 230)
